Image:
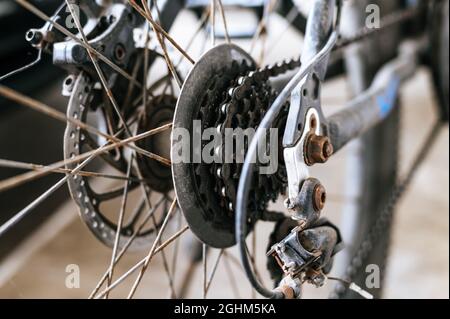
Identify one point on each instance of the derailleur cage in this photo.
(306, 254)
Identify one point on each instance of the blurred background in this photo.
(35, 254)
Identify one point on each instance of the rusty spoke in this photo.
(152, 249)
(26, 177)
(231, 276)
(158, 28)
(127, 245)
(52, 112)
(224, 20)
(213, 272)
(262, 26)
(138, 265)
(162, 44)
(119, 225)
(40, 167)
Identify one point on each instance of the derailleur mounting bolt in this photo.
(319, 197)
(318, 149)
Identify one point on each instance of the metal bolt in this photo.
(79, 54)
(34, 36)
(318, 149)
(287, 291)
(319, 197)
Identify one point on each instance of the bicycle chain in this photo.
(386, 22)
(386, 213)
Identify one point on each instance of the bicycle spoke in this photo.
(127, 245)
(176, 249)
(213, 22)
(17, 217)
(39, 167)
(145, 73)
(166, 264)
(253, 292)
(230, 273)
(131, 84)
(162, 45)
(136, 214)
(213, 272)
(119, 225)
(224, 20)
(290, 17)
(52, 112)
(253, 262)
(171, 239)
(204, 267)
(29, 176)
(194, 259)
(143, 261)
(26, 177)
(157, 27)
(261, 29)
(155, 225)
(108, 158)
(235, 261)
(152, 250)
(201, 25)
(169, 63)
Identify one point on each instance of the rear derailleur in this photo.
(306, 253)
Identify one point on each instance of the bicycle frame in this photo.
(361, 114)
(305, 116)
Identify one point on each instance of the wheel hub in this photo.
(159, 112)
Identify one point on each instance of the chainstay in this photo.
(385, 215)
(396, 17)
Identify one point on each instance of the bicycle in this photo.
(120, 115)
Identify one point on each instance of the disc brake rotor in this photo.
(88, 105)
